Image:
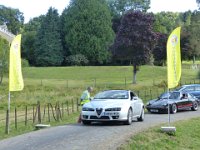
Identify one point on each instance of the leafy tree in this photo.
(119, 7)
(159, 52)
(13, 18)
(135, 39)
(165, 22)
(29, 37)
(194, 37)
(4, 51)
(198, 3)
(87, 29)
(48, 46)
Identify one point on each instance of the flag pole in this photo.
(8, 115)
(168, 108)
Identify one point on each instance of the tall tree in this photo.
(135, 39)
(48, 47)
(13, 18)
(194, 36)
(4, 51)
(165, 22)
(29, 33)
(119, 7)
(159, 52)
(198, 3)
(88, 30)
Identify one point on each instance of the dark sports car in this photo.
(177, 101)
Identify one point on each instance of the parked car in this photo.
(189, 87)
(177, 101)
(113, 105)
(196, 94)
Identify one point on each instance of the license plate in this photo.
(154, 110)
(111, 114)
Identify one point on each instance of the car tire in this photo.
(141, 118)
(129, 117)
(173, 108)
(194, 106)
(86, 122)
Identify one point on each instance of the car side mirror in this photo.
(134, 98)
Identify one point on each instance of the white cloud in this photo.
(173, 5)
(35, 8)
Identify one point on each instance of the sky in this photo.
(35, 8)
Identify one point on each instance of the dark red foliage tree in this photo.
(135, 39)
(159, 52)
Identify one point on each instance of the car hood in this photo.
(160, 102)
(106, 103)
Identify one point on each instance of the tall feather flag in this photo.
(173, 58)
(15, 73)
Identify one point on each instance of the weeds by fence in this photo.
(40, 113)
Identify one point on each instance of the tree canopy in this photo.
(135, 39)
(87, 29)
(48, 47)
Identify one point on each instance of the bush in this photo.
(76, 60)
(25, 63)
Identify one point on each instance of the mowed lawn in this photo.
(100, 75)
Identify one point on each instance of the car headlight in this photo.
(87, 109)
(113, 109)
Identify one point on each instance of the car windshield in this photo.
(174, 95)
(164, 95)
(112, 95)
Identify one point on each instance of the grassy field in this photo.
(187, 137)
(52, 84)
(61, 84)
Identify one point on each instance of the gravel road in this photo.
(95, 136)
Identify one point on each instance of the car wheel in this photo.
(173, 109)
(141, 118)
(194, 106)
(129, 117)
(86, 122)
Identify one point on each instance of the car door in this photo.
(135, 104)
(184, 101)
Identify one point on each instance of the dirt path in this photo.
(92, 137)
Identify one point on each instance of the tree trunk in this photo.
(193, 59)
(134, 73)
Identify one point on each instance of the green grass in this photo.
(186, 137)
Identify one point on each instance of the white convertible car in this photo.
(113, 105)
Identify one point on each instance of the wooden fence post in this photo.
(7, 122)
(49, 113)
(26, 116)
(67, 108)
(39, 112)
(15, 118)
(62, 110)
(77, 105)
(72, 106)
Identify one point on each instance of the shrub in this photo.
(77, 60)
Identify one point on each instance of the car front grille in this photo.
(102, 117)
(99, 110)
